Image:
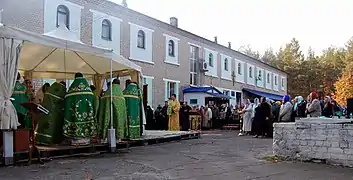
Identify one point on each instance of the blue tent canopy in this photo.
(208, 90)
(264, 94)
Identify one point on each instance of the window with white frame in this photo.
(63, 16)
(226, 64)
(210, 59)
(276, 83)
(171, 48)
(250, 72)
(268, 78)
(282, 83)
(171, 87)
(141, 39)
(194, 56)
(106, 30)
(239, 69)
(148, 80)
(226, 92)
(259, 78)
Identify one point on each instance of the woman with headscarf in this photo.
(40, 94)
(286, 110)
(262, 114)
(247, 114)
(313, 106)
(328, 110)
(300, 107)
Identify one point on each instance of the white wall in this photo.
(250, 79)
(240, 75)
(199, 96)
(260, 83)
(212, 71)
(269, 84)
(50, 14)
(276, 82)
(139, 54)
(97, 40)
(171, 59)
(226, 74)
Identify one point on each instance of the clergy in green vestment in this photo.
(80, 120)
(49, 127)
(21, 95)
(133, 99)
(96, 100)
(119, 112)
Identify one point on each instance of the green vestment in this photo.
(80, 120)
(49, 127)
(133, 107)
(119, 113)
(21, 95)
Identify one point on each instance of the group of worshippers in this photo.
(173, 116)
(77, 116)
(258, 117)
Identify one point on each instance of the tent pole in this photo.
(111, 135)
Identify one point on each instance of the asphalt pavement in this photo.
(217, 155)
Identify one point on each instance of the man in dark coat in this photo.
(165, 118)
(262, 114)
(159, 118)
(184, 116)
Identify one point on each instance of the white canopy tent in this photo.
(58, 55)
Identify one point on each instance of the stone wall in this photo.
(321, 139)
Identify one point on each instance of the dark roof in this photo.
(214, 91)
(264, 94)
(212, 42)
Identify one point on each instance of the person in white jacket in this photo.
(247, 118)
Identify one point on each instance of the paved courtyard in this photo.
(216, 156)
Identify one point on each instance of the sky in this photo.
(262, 24)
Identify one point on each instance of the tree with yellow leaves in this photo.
(344, 85)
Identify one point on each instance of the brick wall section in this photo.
(314, 141)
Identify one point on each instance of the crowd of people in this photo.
(77, 115)
(258, 116)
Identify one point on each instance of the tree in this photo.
(269, 57)
(249, 51)
(344, 85)
(292, 58)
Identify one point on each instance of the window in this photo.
(226, 64)
(250, 72)
(141, 38)
(276, 80)
(63, 16)
(268, 77)
(171, 47)
(239, 68)
(193, 101)
(106, 30)
(144, 81)
(193, 78)
(260, 76)
(171, 89)
(194, 51)
(233, 93)
(210, 60)
(282, 82)
(226, 92)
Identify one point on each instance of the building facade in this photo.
(171, 58)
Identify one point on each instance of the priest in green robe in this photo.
(20, 95)
(119, 112)
(49, 127)
(80, 120)
(132, 96)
